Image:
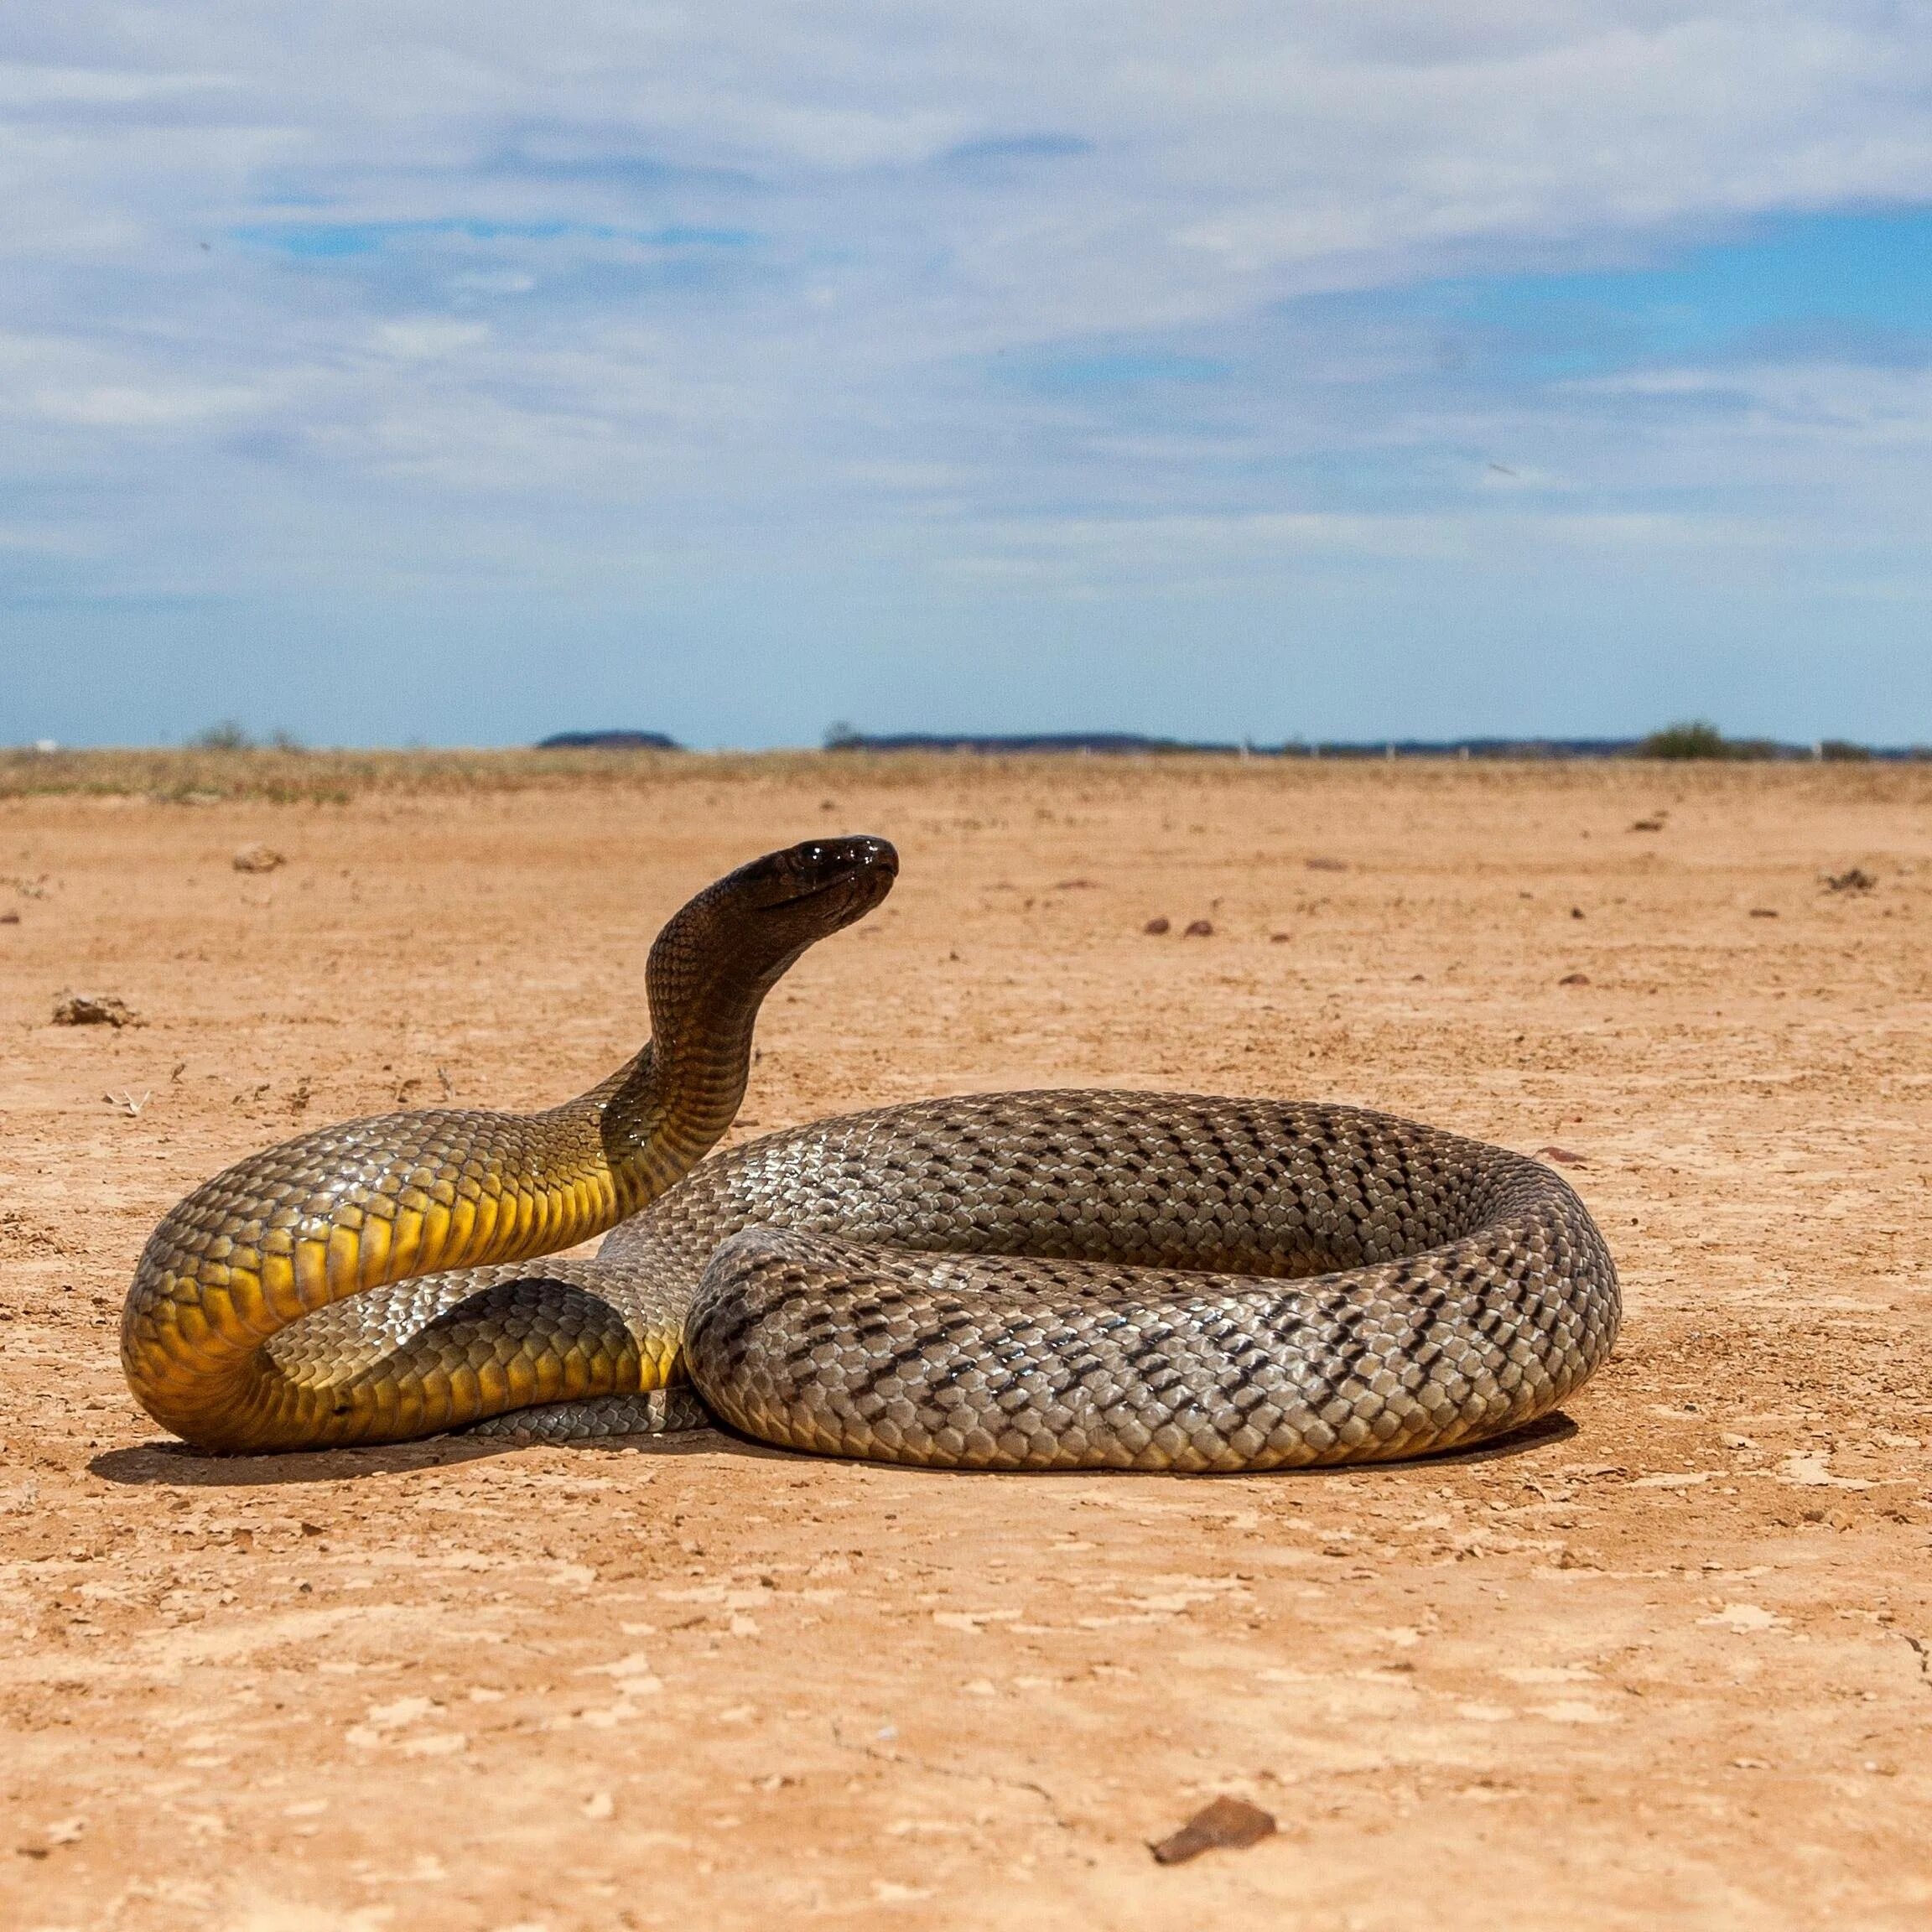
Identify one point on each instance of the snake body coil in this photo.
(1020, 1280)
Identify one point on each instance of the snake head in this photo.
(809, 890)
(744, 930)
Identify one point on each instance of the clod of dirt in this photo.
(1576, 911)
(1562, 1156)
(1074, 885)
(1199, 929)
(1857, 879)
(9, 918)
(93, 1009)
(1326, 865)
(1229, 1824)
(1655, 824)
(258, 858)
(1763, 912)
(1277, 939)
(1157, 925)
(66, 1831)
(1574, 979)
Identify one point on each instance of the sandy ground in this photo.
(1667, 1663)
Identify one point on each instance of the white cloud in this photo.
(425, 339)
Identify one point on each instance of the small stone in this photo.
(1199, 929)
(1231, 1823)
(258, 858)
(1563, 1157)
(1857, 879)
(1574, 979)
(93, 1009)
(1155, 925)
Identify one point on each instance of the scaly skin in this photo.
(1085, 1279)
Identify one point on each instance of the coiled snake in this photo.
(1042, 1281)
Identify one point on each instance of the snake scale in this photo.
(1031, 1280)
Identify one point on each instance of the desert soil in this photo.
(1666, 1663)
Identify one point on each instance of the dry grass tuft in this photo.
(213, 775)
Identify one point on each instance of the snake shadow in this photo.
(171, 1464)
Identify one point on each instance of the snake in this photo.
(1065, 1279)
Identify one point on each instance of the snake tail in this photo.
(1158, 1281)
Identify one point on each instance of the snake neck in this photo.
(657, 1117)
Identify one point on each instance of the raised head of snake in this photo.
(346, 1209)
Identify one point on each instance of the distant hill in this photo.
(608, 741)
(1117, 744)
(1129, 745)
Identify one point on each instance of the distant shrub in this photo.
(1694, 739)
(226, 736)
(1843, 748)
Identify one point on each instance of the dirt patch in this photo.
(1666, 1661)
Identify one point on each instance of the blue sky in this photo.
(423, 373)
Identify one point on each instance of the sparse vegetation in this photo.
(199, 776)
(226, 736)
(1698, 738)
(1694, 739)
(210, 773)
